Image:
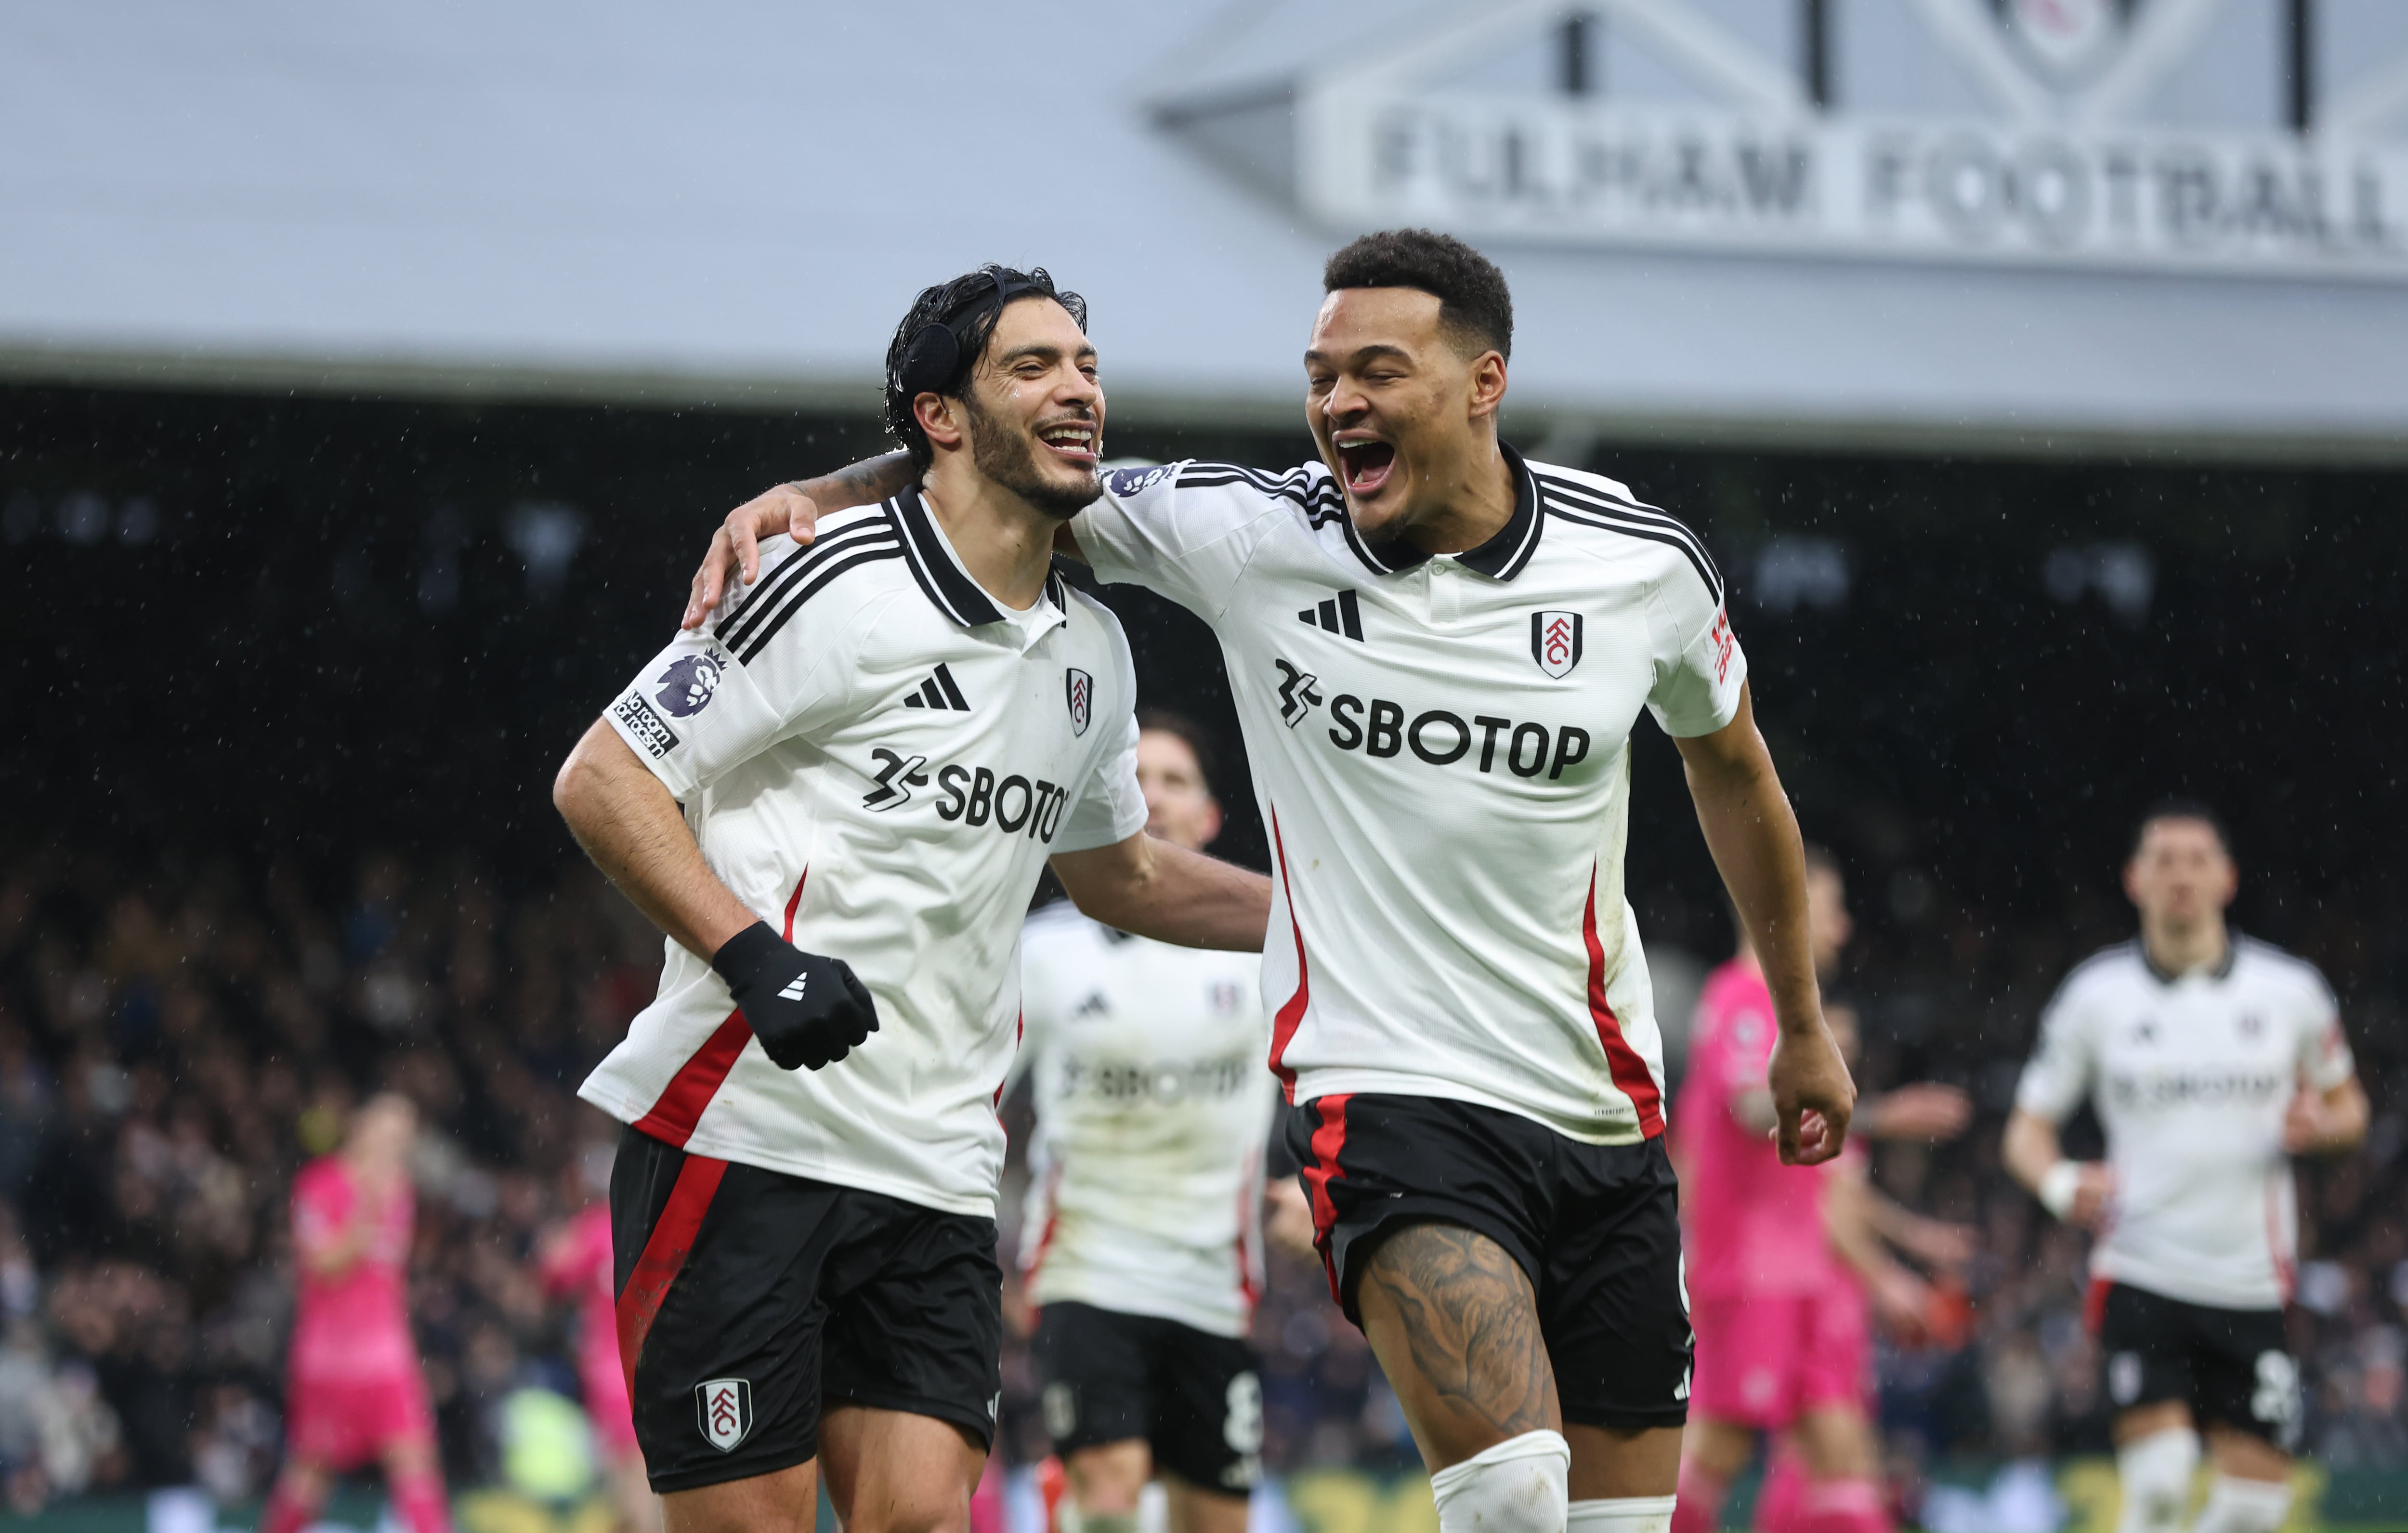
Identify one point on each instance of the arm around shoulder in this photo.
(1153, 888)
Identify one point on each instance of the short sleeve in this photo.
(1184, 530)
(770, 664)
(2325, 1059)
(1698, 665)
(2059, 1074)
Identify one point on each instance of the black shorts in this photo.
(2233, 1368)
(1596, 1227)
(1194, 1397)
(751, 1297)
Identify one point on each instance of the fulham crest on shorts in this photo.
(724, 1407)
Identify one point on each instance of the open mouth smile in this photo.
(1365, 461)
(1072, 441)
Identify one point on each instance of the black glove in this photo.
(806, 1010)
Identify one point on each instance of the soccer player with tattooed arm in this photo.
(836, 798)
(1437, 650)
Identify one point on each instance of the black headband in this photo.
(937, 348)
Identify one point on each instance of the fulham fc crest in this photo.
(725, 1409)
(1078, 688)
(1556, 642)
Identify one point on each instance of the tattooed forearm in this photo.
(864, 483)
(1467, 1322)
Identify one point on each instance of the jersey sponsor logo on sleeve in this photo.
(651, 730)
(690, 683)
(1079, 691)
(1556, 642)
(1297, 694)
(723, 1407)
(1724, 643)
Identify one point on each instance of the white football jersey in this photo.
(2191, 1076)
(877, 759)
(1441, 746)
(1145, 1175)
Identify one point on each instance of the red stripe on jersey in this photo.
(680, 1104)
(2285, 1277)
(1631, 1075)
(1283, 1024)
(663, 1257)
(1053, 1190)
(2094, 1305)
(1019, 1031)
(1327, 1140)
(1249, 1210)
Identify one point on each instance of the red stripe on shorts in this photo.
(663, 1257)
(1631, 1075)
(1283, 1024)
(1327, 1141)
(681, 1102)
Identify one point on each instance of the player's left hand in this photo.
(736, 547)
(1813, 1096)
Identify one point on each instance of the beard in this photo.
(1008, 458)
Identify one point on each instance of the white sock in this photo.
(1623, 1514)
(2243, 1506)
(1518, 1486)
(2156, 1471)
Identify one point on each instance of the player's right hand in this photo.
(736, 547)
(2091, 1196)
(808, 1012)
(1813, 1096)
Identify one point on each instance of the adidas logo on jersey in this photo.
(793, 991)
(1342, 614)
(939, 691)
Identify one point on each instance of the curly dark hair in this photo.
(1475, 306)
(968, 306)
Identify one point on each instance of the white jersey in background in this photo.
(1146, 1171)
(877, 759)
(1442, 749)
(2191, 1078)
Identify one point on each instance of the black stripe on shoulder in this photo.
(1689, 550)
(826, 576)
(1321, 500)
(771, 592)
(1571, 496)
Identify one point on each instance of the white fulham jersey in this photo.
(877, 759)
(1442, 749)
(1146, 1170)
(2191, 1076)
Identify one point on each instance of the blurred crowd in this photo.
(177, 1036)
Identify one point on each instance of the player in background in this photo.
(837, 801)
(1437, 650)
(356, 1394)
(1782, 1257)
(1142, 1245)
(2211, 1058)
(574, 1264)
